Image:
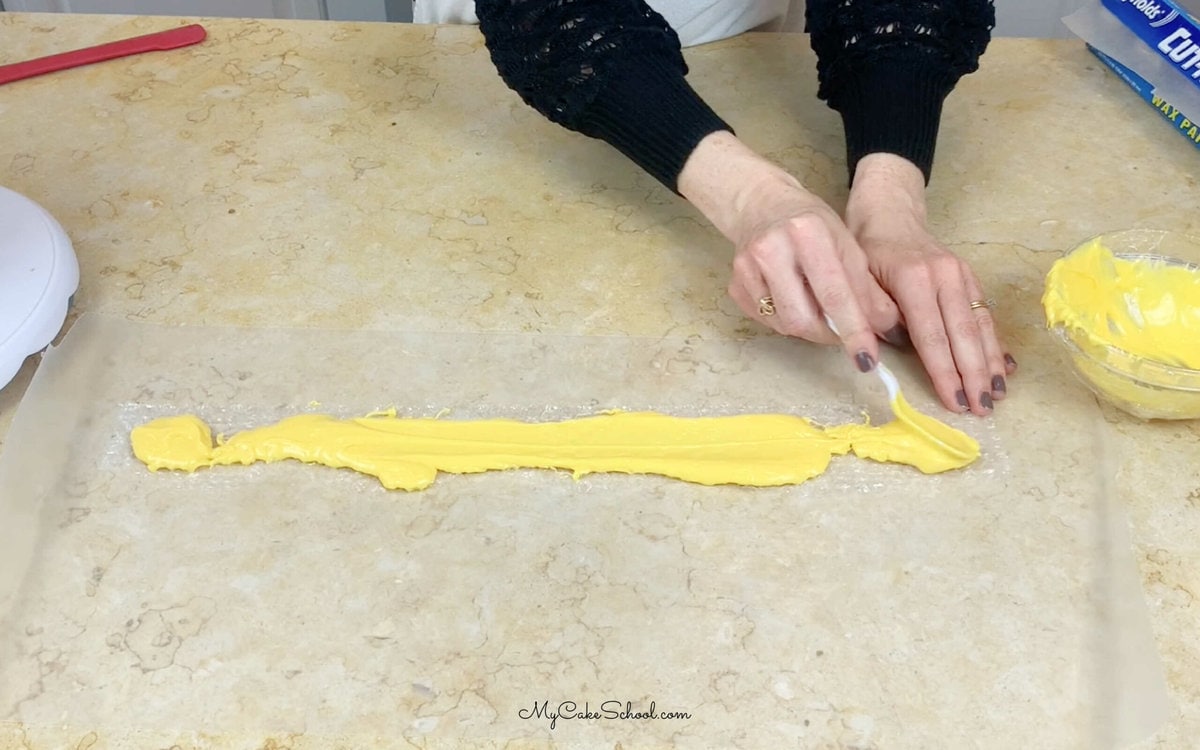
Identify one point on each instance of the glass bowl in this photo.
(1143, 387)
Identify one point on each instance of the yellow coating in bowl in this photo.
(1132, 325)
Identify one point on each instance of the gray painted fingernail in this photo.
(898, 336)
(961, 398)
(998, 384)
(985, 400)
(864, 361)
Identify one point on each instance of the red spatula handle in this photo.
(170, 39)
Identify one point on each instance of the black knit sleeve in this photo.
(887, 66)
(610, 69)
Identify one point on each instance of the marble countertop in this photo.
(377, 177)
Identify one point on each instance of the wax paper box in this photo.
(1154, 46)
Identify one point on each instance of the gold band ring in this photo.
(979, 304)
(766, 306)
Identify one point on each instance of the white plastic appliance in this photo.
(38, 275)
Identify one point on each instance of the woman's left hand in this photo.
(934, 288)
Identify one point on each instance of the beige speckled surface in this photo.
(380, 177)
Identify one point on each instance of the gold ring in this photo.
(979, 304)
(766, 306)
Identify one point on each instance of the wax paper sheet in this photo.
(873, 606)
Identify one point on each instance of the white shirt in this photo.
(696, 21)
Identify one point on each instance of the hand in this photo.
(960, 348)
(790, 247)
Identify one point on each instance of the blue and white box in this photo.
(1154, 46)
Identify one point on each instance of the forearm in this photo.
(888, 199)
(723, 178)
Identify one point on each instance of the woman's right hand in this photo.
(795, 259)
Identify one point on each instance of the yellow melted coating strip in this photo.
(759, 450)
(1141, 307)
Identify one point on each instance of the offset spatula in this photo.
(160, 40)
(957, 444)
